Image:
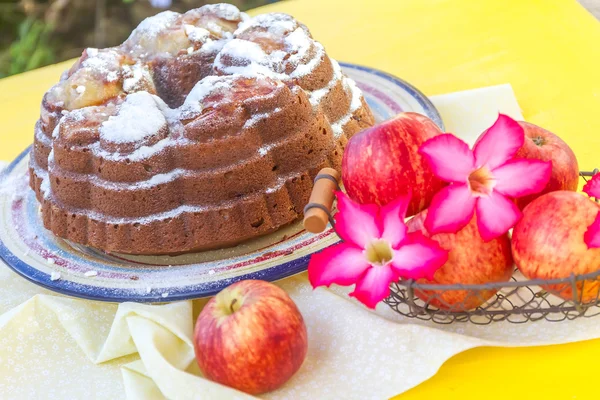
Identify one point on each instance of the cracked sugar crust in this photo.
(202, 130)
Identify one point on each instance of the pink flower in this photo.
(483, 180)
(592, 187)
(376, 251)
(592, 235)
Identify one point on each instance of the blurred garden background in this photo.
(34, 33)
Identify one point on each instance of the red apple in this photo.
(544, 145)
(251, 337)
(548, 242)
(383, 162)
(470, 261)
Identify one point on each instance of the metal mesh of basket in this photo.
(517, 301)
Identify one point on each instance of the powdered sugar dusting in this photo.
(138, 118)
(45, 185)
(254, 61)
(278, 185)
(151, 27)
(208, 85)
(259, 117)
(196, 33)
(105, 63)
(245, 50)
(112, 76)
(317, 95)
(174, 213)
(136, 77)
(298, 42)
(79, 114)
(263, 151)
(214, 46)
(141, 153)
(155, 180)
(225, 11)
(159, 179)
(56, 130)
(355, 104)
(148, 151)
(276, 23)
(305, 69)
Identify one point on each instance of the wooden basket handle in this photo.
(317, 212)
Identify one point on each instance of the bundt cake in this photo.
(202, 130)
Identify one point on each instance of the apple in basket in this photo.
(550, 243)
(251, 337)
(383, 163)
(541, 144)
(471, 260)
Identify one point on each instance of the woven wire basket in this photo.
(517, 301)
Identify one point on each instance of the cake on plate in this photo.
(200, 131)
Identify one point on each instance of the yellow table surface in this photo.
(549, 50)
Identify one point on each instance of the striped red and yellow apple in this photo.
(471, 261)
(251, 337)
(548, 243)
(383, 163)
(541, 144)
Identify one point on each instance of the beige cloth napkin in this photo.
(54, 347)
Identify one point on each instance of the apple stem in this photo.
(539, 141)
(232, 304)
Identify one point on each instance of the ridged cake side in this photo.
(143, 149)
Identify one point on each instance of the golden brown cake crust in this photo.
(202, 130)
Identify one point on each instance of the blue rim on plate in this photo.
(36, 254)
(427, 107)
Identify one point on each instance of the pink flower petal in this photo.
(342, 264)
(519, 178)
(451, 209)
(592, 235)
(496, 214)
(374, 286)
(356, 223)
(592, 187)
(449, 157)
(499, 143)
(392, 220)
(420, 258)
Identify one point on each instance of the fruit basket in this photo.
(519, 300)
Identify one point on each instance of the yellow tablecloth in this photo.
(547, 49)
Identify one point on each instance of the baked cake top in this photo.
(116, 88)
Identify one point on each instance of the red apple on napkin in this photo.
(383, 163)
(471, 260)
(548, 243)
(251, 337)
(541, 144)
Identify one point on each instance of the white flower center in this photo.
(379, 252)
(481, 182)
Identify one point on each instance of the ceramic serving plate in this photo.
(71, 269)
